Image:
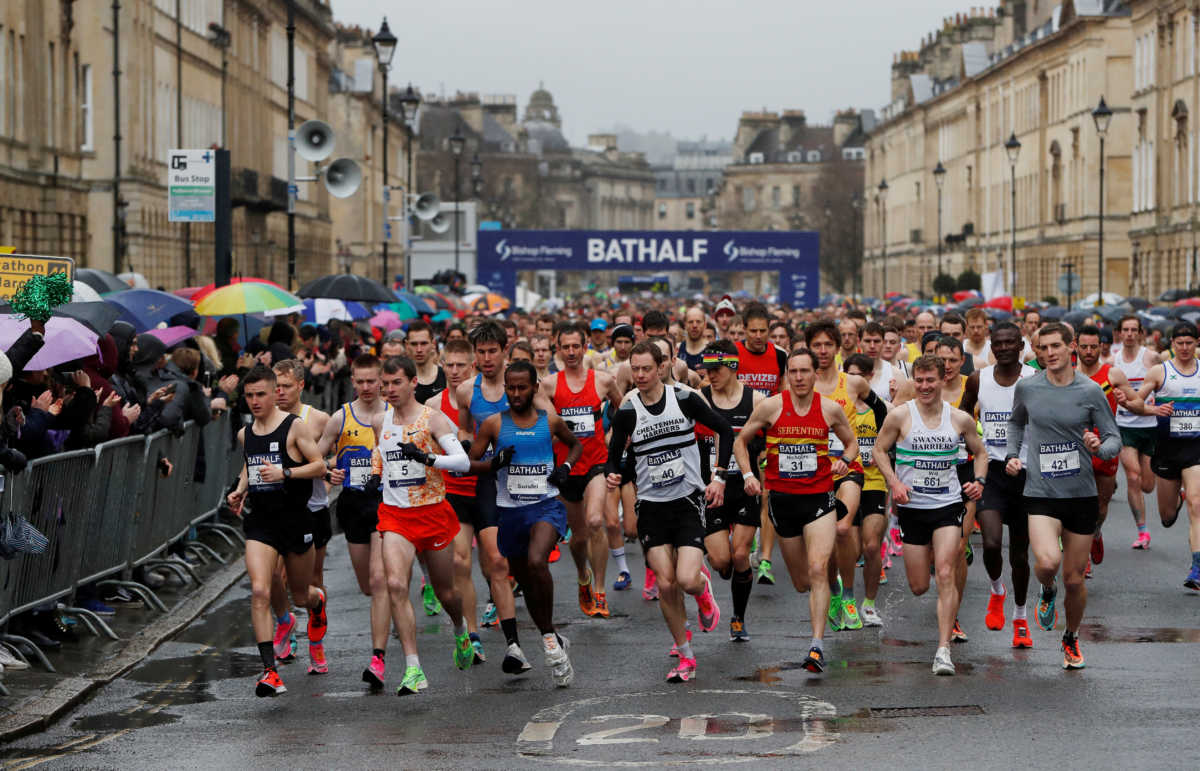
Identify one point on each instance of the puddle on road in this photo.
(217, 665)
(1104, 633)
(120, 721)
(225, 627)
(853, 669)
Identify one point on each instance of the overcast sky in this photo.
(689, 67)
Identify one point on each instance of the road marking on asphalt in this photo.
(695, 727)
(608, 735)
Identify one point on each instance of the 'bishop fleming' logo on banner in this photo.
(731, 250)
(502, 249)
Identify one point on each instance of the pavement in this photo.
(190, 703)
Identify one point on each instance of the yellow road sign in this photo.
(16, 269)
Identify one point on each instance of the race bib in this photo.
(836, 448)
(797, 460)
(712, 461)
(933, 477)
(581, 425)
(254, 474)
(255, 465)
(1058, 459)
(527, 483)
(1185, 417)
(865, 445)
(666, 468)
(995, 428)
(404, 473)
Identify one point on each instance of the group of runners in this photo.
(844, 443)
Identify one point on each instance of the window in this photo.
(795, 156)
(814, 156)
(796, 195)
(776, 197)
(301, 65)
(748, 199)
(690, 210)
(85, 110)
(662, 211)
(691, 186)
(756, 158)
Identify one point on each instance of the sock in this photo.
(509, 627)
(460, 628)
(618, 556)
(1019, 612)
(1142, 527)
(549, 640)
(743, 582)
(474, 637)
(868, 603)
(998, 586)
(380, 652)
(685, 651)
(284, 618)
(1068, 636)
(412, 661)
(818, 643)
(266, 650)
(835, 593)
(424, 573)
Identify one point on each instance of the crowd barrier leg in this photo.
(224, 531)
(37, 652)
(146, 593)
(177, 566)
(204, 550)
(91, 619)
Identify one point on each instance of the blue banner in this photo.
(794, 254)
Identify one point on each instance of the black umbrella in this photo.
(100, 280)
(998, 314)
(1157, 310)
(347, 286)
(1077, 318)
(99, 317)
(1137, 303)
(1055, 312)
(1177, 311)
(1112, 313)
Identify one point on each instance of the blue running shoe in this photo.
(623, 581)
(1047, 613)
(1193, 578)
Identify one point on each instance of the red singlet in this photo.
(798, 450)
(456, 484)
(583, 413)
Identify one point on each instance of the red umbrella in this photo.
(889, 295)
(1189, 301)
(201, 293)
(187, 292)
(964, 294)
(1003, 302)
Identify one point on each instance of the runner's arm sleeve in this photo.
(1016, 424)
(877, 405)
(623, 422)
(455, 459)
(692, 404)
(1106, 427)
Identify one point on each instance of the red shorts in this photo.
(428, 528)
(1106, 468)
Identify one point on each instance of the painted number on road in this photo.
(618, 735)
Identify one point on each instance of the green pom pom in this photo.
(38, 296)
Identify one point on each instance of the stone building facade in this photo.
(685, 190)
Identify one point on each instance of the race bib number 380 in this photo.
(1058, 459)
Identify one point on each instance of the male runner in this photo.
(1176, 388)
(977, 343)
(1138, 432)
(894, 351)
(799, 482)
(848, 346)
(1030, 323)
(923, 324)
(531, 519)
(597, 348)
(927, 490)
(622, 342)
(543, 357)
(724, 316)
(1054, 414)
(659, 422)
(430, 377)
(414, 445)
(279, 523)
(691, 350)
(883, 378)
(578, 395)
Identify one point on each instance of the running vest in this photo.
(409, 483)
(1101, 379)
(320, 495)
(926, 460)
(963, 455)
(280, 499)
(842, 397)
(456, 484)
(583, 412)
(1182, 392)
(798, 450)
(1136, 372)
(881, 383)
(426, 391)
(983, 354)
(481, 409)
(995, 407)
(666, 458)
(737, 417)
(761, 371)
(866, 432)
(524, 481)
(354, 446)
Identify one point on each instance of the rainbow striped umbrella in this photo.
(247, 297)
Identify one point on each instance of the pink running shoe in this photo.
(1142, 541)
(373, 674)
(709, 614)
(282, 642)
(684, 671)
(317, 662)
(675, 648)
(895, 545)
(650, 590)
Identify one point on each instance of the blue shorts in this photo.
(515, 523)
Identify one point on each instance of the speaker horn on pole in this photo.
(342, 178)
(314, 140)
(427, 206)
(440, 223)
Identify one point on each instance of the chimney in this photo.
(604, 142)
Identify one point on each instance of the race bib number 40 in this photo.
(797, 461)
(666, 468)
(1058, 459)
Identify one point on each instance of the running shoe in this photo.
(995, 611)
(957, 634)
(1047, 613)
(284, 649)
(623, 581)
(870, 616)
(1097, 548)
(765, 576)
(477, 644)
(374, 673)
(675, 648)
(942, 665)
(860, 562)
(490, 614)
(317, 665)
(1087, 572)
(970, 554)
(835, 613)
(709, 614)
(650, 588)
(414, 682)
(515, 662)
(1193, 578)
(895, 545)
(737, 630)
(464, 652)
(601, 606)
(269, 684)
(850, 617)
(587, 603)
(10, 662)
(684, 671)
(1072, 658)
(554, 555)
(318, 622)
(882, 576)
(1142, 541)
(814, 661)
(1021, 637)
(559, 663)
(430, 600)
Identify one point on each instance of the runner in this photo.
(959, 392)
(724, 316)
(691, 350)
(799, 483)
(883, 380)
(848, 329)
(622, 342)
(543, 357)
(1031, 321)
(894, 351)
(1138, 432)
(431, 379)
(578, 395)
(927, 490)
(1053, 415)
(414, 445)
(977, 343)
(279, 524)
(1176, 387)
(531, 518)
(659, 422)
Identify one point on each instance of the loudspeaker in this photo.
(314, 140)
(342, 178)
(439, 223)
(427, 206)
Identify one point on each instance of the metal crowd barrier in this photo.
(108, 510)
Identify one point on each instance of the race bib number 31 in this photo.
(1058, 459)
(797, 461)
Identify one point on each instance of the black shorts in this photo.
(791, 513)
(1005, 494)
(917, 525)
(671, 523)
(872, 502)
(1172, 456)
(1077, 515)
(466, 507)
(572, 490)
(740, 510)
(358, 514)
(485, 501)
(857, 477)
(286, 535)
(322, 527)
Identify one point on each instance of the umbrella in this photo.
(422, 304)
(401, 308)
(475, 289)
(1077, 318)
(387, 320)
(248, 327)
(1110, 298)
(100, 280)
(1055, 312)
(439, 301)
(319, 310)
(1156, 310)
(85, 294)
(347, 286)
(246, 297)
(1003, 302)
(172, 336)
(487, 303)
(998, 314)
(1111, 313)
(66, 340)
(1137, 303)
(442, 316)
(188, 292)
(98, 317)
(147, 308)
(135, 280)
(204, 291)
(963, 294)
(1194, 301)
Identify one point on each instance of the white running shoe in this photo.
(942, 665)
(559, 663)
(515, 662)
(9, 661)
(870, 616)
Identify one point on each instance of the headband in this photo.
(720, 359)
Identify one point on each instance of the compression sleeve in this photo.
(692, 404)
(455, 459)
(623, 422)
(877, 405)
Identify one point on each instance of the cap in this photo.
(725, 306)
(622, 330)
(599, 324)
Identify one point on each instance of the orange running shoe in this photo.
(995, 611)
(318, 621)
(601, 605)
(587, 602)
(554, 555)
(1021, 638)
(1072, 658)
(269, 684)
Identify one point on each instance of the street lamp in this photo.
(883, 190)
(939, 177)
(856, 203)
(1102, 116)
(410, 103)
(1013, 148)
(457, 143)
(385, 48)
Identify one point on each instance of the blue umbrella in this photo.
(147, 308)
(420, 304)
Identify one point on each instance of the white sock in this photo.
(460, 628)
(412, 661)
(424, 572)
(998, 586)
(685, 651)
(817, 643)
(1019, 612)
(618, 556)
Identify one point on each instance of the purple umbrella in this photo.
(172, 336)
(387, 320)
(66, 340)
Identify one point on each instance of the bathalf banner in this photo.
(794, 254)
